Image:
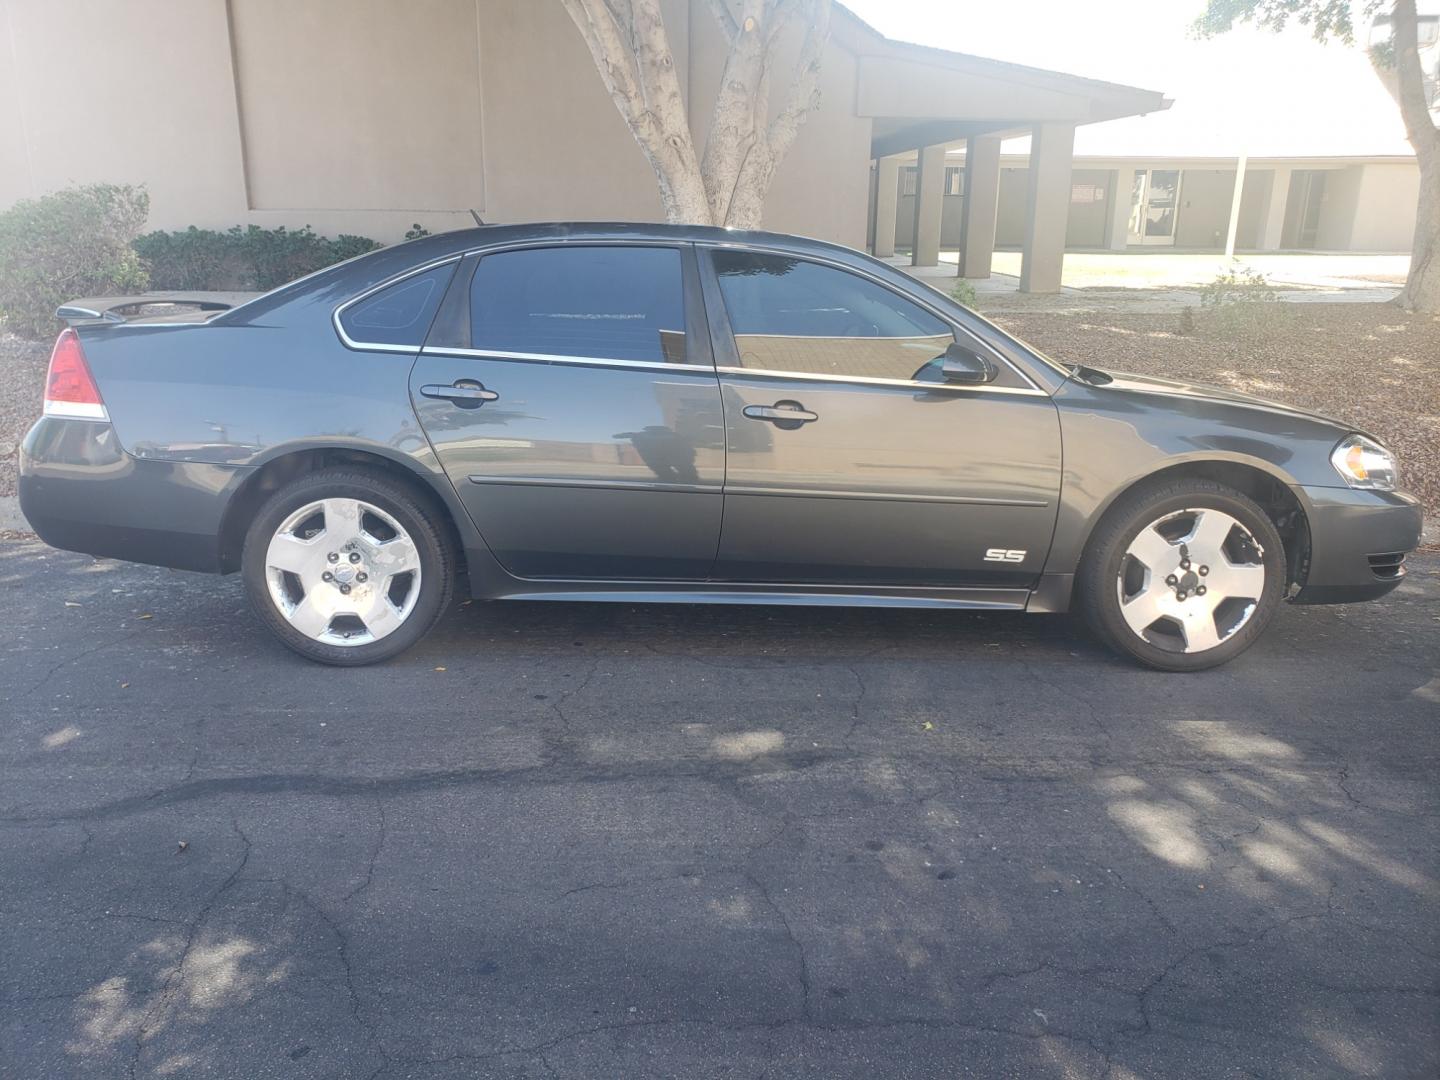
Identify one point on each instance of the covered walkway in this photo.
(925, 102)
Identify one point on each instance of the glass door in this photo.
(1154, 205)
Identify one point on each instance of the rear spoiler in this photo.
(94, 309)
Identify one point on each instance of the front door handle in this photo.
(788, 415)
(466, 393)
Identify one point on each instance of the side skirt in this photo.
(802, 595)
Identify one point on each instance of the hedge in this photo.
(241, 258)
(67, 245)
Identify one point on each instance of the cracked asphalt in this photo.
(563, 840)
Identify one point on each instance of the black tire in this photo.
(1097, 589)
(418, 517)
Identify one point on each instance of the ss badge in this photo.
(1004, 555)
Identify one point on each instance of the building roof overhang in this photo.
(916, 95)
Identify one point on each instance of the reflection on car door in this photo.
(577, 412)
(850, 459)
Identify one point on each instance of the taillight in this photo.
(70, 389)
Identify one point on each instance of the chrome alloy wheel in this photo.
(1190, 580)
(343, 571)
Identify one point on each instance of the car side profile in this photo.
(644, 413)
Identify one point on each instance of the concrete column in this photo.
(887, 193)
(1117, 228)
(1047, 207)
(1238, 192)
(929, 193)
(1273, 220)
(982, 202)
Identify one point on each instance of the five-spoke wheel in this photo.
(1182, 574)
(348, 567)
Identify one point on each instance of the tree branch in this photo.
(804, 92)
(728, 26)
(1410, 91)
(733, 125)
(628, 43)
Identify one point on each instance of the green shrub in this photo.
(193, 259)
(63, 246)
(963, 292)
(242, 258)
(1237, 299)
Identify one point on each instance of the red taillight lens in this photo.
(70, 381)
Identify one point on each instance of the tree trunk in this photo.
(631, 50)
(1422, 286)
(632, 54)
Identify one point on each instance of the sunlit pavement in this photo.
(581, 841)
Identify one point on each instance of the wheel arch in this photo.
(1281, 499)
(285, 464)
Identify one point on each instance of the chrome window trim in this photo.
(921, 302)
(909, 384)
(372, 346)
(554, 358)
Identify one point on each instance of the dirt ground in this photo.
(1367, 364)
(22, 383)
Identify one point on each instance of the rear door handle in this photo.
(783, 414)
(467, 393)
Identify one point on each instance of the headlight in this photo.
(1364, 463)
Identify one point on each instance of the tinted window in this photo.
(792, 315)
(616, 303)
(400, 314)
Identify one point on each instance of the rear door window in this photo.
(606, 303)
(399, 314)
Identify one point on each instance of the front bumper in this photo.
(1357, 543)
(80, 491)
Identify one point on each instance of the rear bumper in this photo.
(1357, 543)
(80, 491)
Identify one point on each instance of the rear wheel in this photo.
(347, 567)
(1183, 575)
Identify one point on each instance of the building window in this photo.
(954, 180)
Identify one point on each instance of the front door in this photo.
(851, 460)
(577, 412)
(1154, 206)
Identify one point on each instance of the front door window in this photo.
(795, 317)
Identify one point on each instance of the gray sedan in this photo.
(642, 413)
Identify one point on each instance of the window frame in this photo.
(451, 331)
(727, 353)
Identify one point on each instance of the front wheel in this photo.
(1183, 575)
(347, 567)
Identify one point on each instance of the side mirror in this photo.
(964, 365)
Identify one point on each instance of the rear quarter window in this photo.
(399, 314)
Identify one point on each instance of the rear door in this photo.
(576, 410)
(851, 460)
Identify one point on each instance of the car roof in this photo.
(487, 235)
(335, 284)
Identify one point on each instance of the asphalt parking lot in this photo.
(606, 841)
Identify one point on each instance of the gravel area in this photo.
(1368, 364)
(22, 382)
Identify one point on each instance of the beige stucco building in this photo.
(365, 116)
(1133, 202)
